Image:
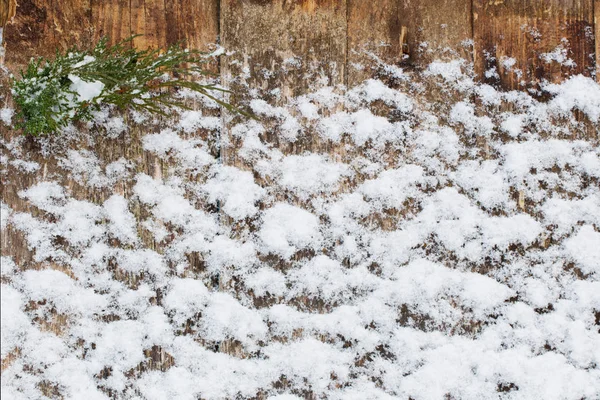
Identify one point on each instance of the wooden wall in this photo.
(516, 37)
(597, 36)
(521, 38)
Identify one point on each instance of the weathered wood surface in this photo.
(279, 49)
(373, 31)
(597, 36)
(518, 38)
(328, 37)
(436, 28)
(283, 44)
(42, 26)
(193, 22)
(112, 18)
(8, 8)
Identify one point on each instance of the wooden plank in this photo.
(196, 22)
(42, 26)
(164, 22)
(597, 37)
(519, 39)
(151, 22)
(436, 28)
(373, 30)
(283, 44)
(277, 49)
(111, 18)
(8, 9)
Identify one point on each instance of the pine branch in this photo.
(50, 94)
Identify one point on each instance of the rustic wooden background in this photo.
(335, 33)
(279, 46)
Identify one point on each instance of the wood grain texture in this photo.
(151, 19)
(597, 37)
(436, 28)
(40, 27)
(161, 23)
(8, 8)
(517, 37)
(373, 30)
(196, 22)
(284, 44)
(111, 18)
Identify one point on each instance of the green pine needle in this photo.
(128, 78)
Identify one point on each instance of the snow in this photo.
(464, 114)
(234, 191)
(311, 174)
(287, 229)
(122, 223)
(584, 248)
(6, 115)
(86, 91)
(15, 322)
(192, 120)
(393, 186)
(423, 236)
(578, 92)
(167, 142)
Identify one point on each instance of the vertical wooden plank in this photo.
(283, 43)
(137, 20)
(597, 37)
(42, 26)
(277, 49)
(373, 30)
(436, 28)
(519, 43)
(111, 18)
(151, 22)
(194, 22)
(165, 22)
(8, 9)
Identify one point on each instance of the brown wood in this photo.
(525, 30)
(373, 30)
(40, 27)
(151, 22)
(112, 18)
(161, 23)
(597, 37)
(8, 9)
(306, 37)
(436, 28)
(326, 32)
(196, 22)
(281, 48)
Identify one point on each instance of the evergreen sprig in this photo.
(47, 99)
